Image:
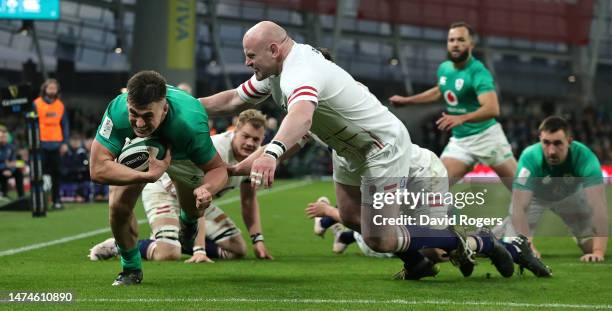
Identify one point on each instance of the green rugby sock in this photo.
(130, 259)
(186, 219)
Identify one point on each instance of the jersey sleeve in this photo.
(253, 91)
(201, 149)
(304, 85)
(525, 176)
(590, 169)
(108, 135)
(483, 81)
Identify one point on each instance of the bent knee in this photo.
(381, 244)
(166, 252)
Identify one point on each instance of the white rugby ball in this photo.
(135, 152)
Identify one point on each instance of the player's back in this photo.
(348, 117)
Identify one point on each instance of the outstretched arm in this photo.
(224, 103)
(596, 199)
(428, 96)
(252, 219)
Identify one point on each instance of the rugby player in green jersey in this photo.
(152, 108)
(562, 175)
(471, 107)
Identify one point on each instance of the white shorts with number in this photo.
(573, 211)
(490, 147)
(160, 203)
(401, 165)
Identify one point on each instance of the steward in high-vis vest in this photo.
(54, 133)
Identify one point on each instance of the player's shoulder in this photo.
(581, 150)
(532, 154)
(118, 105)
(302, 59)
(180, 98)
(223, 144)
(445, 66)
(477, 66)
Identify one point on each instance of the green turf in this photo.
(304, 275)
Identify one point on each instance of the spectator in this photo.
(8, 165)
(54, 133)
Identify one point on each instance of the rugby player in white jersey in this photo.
(222, 238)
(368, 143)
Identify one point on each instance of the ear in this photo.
(274, 49)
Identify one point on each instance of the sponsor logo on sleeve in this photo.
(106, 128)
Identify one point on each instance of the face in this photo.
(555, 146)
(51, 90)
(260, 57)
(145, 120)
(3, 137)
(246, 140)
(459, 44)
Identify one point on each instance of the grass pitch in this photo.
(304, 275)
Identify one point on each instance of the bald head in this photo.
(265, 47)
(265, 32)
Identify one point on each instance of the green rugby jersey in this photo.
(185, 127)
(460, 89)
(554, 182)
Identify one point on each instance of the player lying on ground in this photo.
(326, 216)
(152, 108)
(222, 239)
(368, 141)
(562, 175)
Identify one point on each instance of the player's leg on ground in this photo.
(232, 248)
(223, 238)
(125, 230)
(456, 169)
(165, 246)
(189, 215)
(348, 199)
(519, 246)
(506, 171)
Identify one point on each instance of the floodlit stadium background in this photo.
(547, 57)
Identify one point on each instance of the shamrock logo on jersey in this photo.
(458, 84)
(450, 98)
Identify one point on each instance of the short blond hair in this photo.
(253, 117)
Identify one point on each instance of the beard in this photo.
(459, 59)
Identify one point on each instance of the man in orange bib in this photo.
(54, 133)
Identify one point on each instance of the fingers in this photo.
(256, 178)
(591, 258)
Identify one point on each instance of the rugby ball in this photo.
(135, 152)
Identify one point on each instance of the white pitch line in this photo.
(353, 301)
(83, 235)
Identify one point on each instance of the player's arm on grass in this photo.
(429, 96)
(293, 127)
(520, 204)
(215, 177)
(252, 219)
(596, 199)
(200, 244)
(104, 170)
(489, 108)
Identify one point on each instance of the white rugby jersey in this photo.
(223, 144)
(348, 118)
